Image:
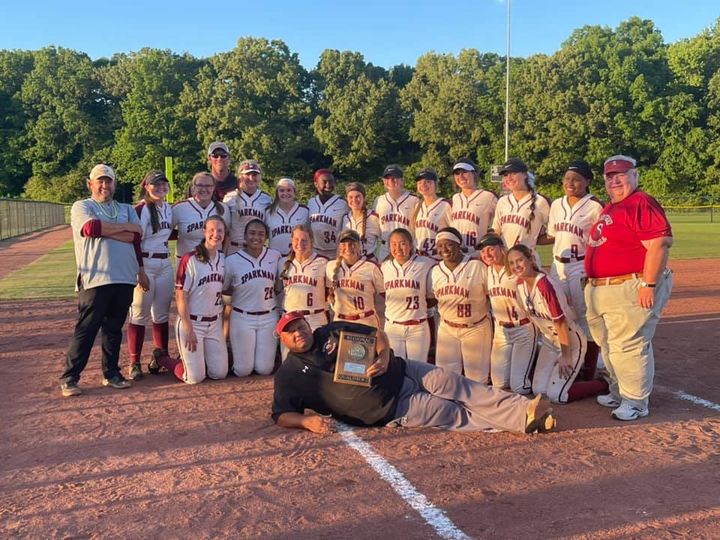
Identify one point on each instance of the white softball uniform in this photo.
(545, 306)
(372, 236)
(355, 290)
(203, 282)
(512, 219)
(325, 222)
(407, 288)
(243, 209)
(251, 282)
(472, 215)
(393, 214)
(429, 220)
(570, 226)
(304, 289)
(514, 338)
(189, 218)
(465, 332)
(281, 224)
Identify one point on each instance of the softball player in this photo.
(522, 215)
(514, 343)
(302, 280)
(571, 218)
(246, 203)
(472, 208)
(465, 333)
(189, 216)
(361, 220)
(283, 214)
(326, 212)
(250, 276)
(431, 214)
(395, 208)
(408, 288)
(562, 341)
(199, 303)
(355, 282)
(152, 303)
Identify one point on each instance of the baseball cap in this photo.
(153, 177)
(582, 168)
(248, 166)
(428, 173)
(99, 171)
(465, 164)
(618, 164)
(490, 239)
(218, 145)
(287, 318)
(513, 165)
(393, 170)
(348, 235)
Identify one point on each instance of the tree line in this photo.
(606, 91)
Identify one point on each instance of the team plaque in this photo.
(355, 353)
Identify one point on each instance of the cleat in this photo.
(70, 388)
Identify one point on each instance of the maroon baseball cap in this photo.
(287, 318)
(618, 164)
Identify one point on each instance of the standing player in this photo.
(250, 276)
(408, 291)
(283, 214)
(199, 301)
(302, 279)
(246, 203)
(326, 212)
(514, 338)
(154, 303)
(395, 208)
(522, 215)
(189, 216)
(472, 208)
(361, 220)
(219, 162)
(562, 341)
(431, 214)
(355, 282)
(570, 220)
(465, 332)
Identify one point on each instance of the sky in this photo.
(386, 32)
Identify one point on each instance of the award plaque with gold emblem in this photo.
(356, 352)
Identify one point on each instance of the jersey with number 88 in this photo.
(461, 293)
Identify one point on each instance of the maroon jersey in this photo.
(615, 245)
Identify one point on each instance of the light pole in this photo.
(507, 85)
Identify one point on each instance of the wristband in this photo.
(646, 284)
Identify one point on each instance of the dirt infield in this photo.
(22, 250)
(206, 461)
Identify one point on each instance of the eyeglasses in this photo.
(219, 156)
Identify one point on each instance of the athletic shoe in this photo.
(154, 367)
(608, 400)
(118, 382)
(629, 412)
(538, 417)
(135, 371)
(70, 388)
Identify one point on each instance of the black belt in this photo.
(569, 259)
(147, 255)
(311, 311)
(253, 312)
(521, 322)
(203, 319)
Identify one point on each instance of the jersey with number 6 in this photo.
(472, 215)
(252, 281)
(513, 220)
(304, 284)
(356, 287)
(325, 221)
(189, 218)
(502, 290)
(407, 288)
(461, 293)
(570, 225)
(203, 282)
(428, 221)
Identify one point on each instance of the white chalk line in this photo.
(691, 321)
(432, 515)
(680, 394)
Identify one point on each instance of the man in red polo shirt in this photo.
(628, 286)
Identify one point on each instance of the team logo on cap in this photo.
(331, 345)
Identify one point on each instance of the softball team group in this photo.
(458, 282)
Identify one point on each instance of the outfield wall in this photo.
(21, 216)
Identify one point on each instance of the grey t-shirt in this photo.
(102, 261)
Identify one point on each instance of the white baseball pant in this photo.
(411, 342)
(512, 358)
(465, 349)
(210, 357)
(253, 342)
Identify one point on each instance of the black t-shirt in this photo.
(305, 381)
(222, 188)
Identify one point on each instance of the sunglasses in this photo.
(218, 156)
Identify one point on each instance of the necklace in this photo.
(113, 214)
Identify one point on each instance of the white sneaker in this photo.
(608, 400)
(628, 412)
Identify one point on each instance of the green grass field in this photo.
(52, 275)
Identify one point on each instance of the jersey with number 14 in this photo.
(304, 284)
(203, 282)
(502, 290)
(460, 293)
(570, 225)
(472, 215)
(251, 280)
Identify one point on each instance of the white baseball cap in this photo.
(98, 171)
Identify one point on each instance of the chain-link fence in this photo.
(20, 217)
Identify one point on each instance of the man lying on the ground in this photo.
(401, 392)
